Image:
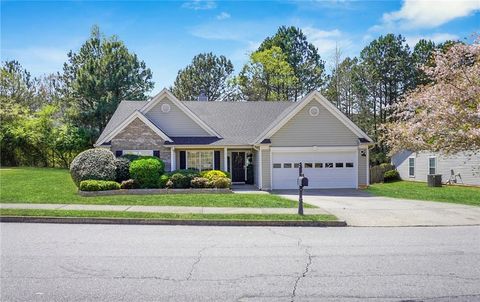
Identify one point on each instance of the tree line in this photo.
(47, 120)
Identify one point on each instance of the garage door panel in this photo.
(335, 177)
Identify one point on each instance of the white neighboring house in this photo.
(462, 167)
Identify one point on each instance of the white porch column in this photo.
(173, 161)
(225, 159)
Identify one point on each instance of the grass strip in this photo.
(177, 216)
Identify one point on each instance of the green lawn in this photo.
(112, 214)
(420, 191)
(45, 185)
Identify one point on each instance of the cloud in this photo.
(223, 16)
(199, 4)
(326, 41)
(427, 14)
(38, 59)
(437, 38)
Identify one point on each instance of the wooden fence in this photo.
(377, 172)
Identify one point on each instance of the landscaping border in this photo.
(154, 192)
(142, 221)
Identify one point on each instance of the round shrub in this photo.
(94, 164)
(200, 183)
(162, 182)
(213, 174)
(98, 185)
(221, 183)
(122, 165)
(146, 172)
(180, 181)
(129, 184)
(391, 175)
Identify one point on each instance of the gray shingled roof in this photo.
(124, 109)
(238, 123)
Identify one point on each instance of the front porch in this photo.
(238, 161)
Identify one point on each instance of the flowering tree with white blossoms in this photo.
(443, 115)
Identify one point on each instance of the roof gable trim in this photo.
(166, 93)
(130, 119)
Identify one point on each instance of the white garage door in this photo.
(324, 169)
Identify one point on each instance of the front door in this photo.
(238, 166)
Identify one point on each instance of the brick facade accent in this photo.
(138, 136)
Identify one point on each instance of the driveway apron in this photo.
(359, 208)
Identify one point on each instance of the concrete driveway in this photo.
(359, 208)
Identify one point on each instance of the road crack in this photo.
(197, 260)
(308, 262)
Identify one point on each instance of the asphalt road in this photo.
(54, 262)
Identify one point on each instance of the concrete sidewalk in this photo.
(160, 209)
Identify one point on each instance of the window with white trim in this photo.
(411, 167)
(200, 160)
(432, 165)
(139, 152)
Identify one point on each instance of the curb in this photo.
(141, 221)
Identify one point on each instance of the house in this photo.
(270, 138)
(461, 168)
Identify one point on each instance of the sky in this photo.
(168, 34)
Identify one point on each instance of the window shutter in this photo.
(156, 153)
(183, 160)
(216, 160)
(118, 153)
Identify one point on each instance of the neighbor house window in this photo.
(432, 165)
(411, 167)
(200, 160)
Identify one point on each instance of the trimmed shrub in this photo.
(391, 175)
(222, 183)
(213, 174)
(129, 184)
(146, 171)
(93, 164)
(200, 183)
(98, 185)
(180, 181)
(162, 181)
(122, 165)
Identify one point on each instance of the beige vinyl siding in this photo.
(175, 122)
(256, 168)
(266, 169)
(467, 165)
(304, 130)
(362, 169)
